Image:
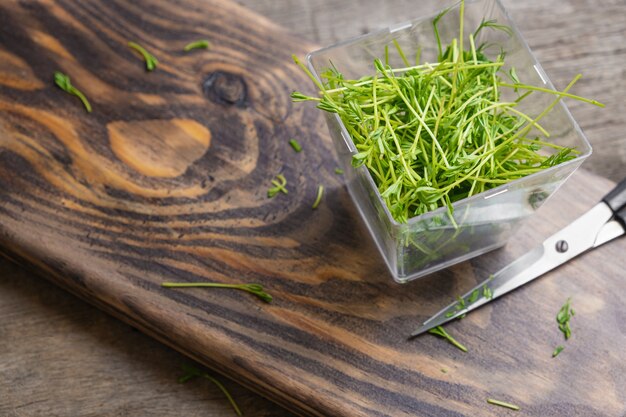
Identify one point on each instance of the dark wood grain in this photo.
(62, 357)
(167, 179)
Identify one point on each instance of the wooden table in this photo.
(64, 357)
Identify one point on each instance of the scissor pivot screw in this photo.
(562, 246)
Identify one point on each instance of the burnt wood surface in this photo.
(166, 180)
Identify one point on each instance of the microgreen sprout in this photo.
(338, 171)
(199, 44)
(64, 83)
(278, 186)
(439, 331)
(255, 289)
(151, 61)
(318, 199)
(432, 134)
(191, 372)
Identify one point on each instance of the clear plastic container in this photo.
(486, 221)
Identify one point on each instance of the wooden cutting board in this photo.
(167, 178)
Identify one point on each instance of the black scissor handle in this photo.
(616, 200)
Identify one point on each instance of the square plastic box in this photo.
(430, 242)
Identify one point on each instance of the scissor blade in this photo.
(483, 292)
(559, 248)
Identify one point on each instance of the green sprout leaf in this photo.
(63, 82)
(191, 372)
(439, 331)
(473, 297)
(563, 317)
(558, 350)
(151, 61)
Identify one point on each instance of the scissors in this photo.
(604, 222)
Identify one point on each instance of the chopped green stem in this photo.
(192, 372)
(439, 331)
(278, 186)
(462, 21)
(503, 404)
(255, 289)
(318, 199)
(401, 52)
(63, 82)
(307, 72)
(441, 71)
(556, 93)
(295, 145)
(151, 61)
(199, 44)
(529, 120)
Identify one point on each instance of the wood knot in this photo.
(225, 88)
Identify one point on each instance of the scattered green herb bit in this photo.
(338, 171)
(255, 289)
(151, 61)
(64, 83)
(487, 292)
(473, 297)
(563, 317)
(295, 145)
(558, 350)
(199, 44)
(278, 186)
(439, 331)
(432, 134)
(191, 372)
(318, 199)
(444, 371)
(503, 404)
(557, 93)
(460, 304)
